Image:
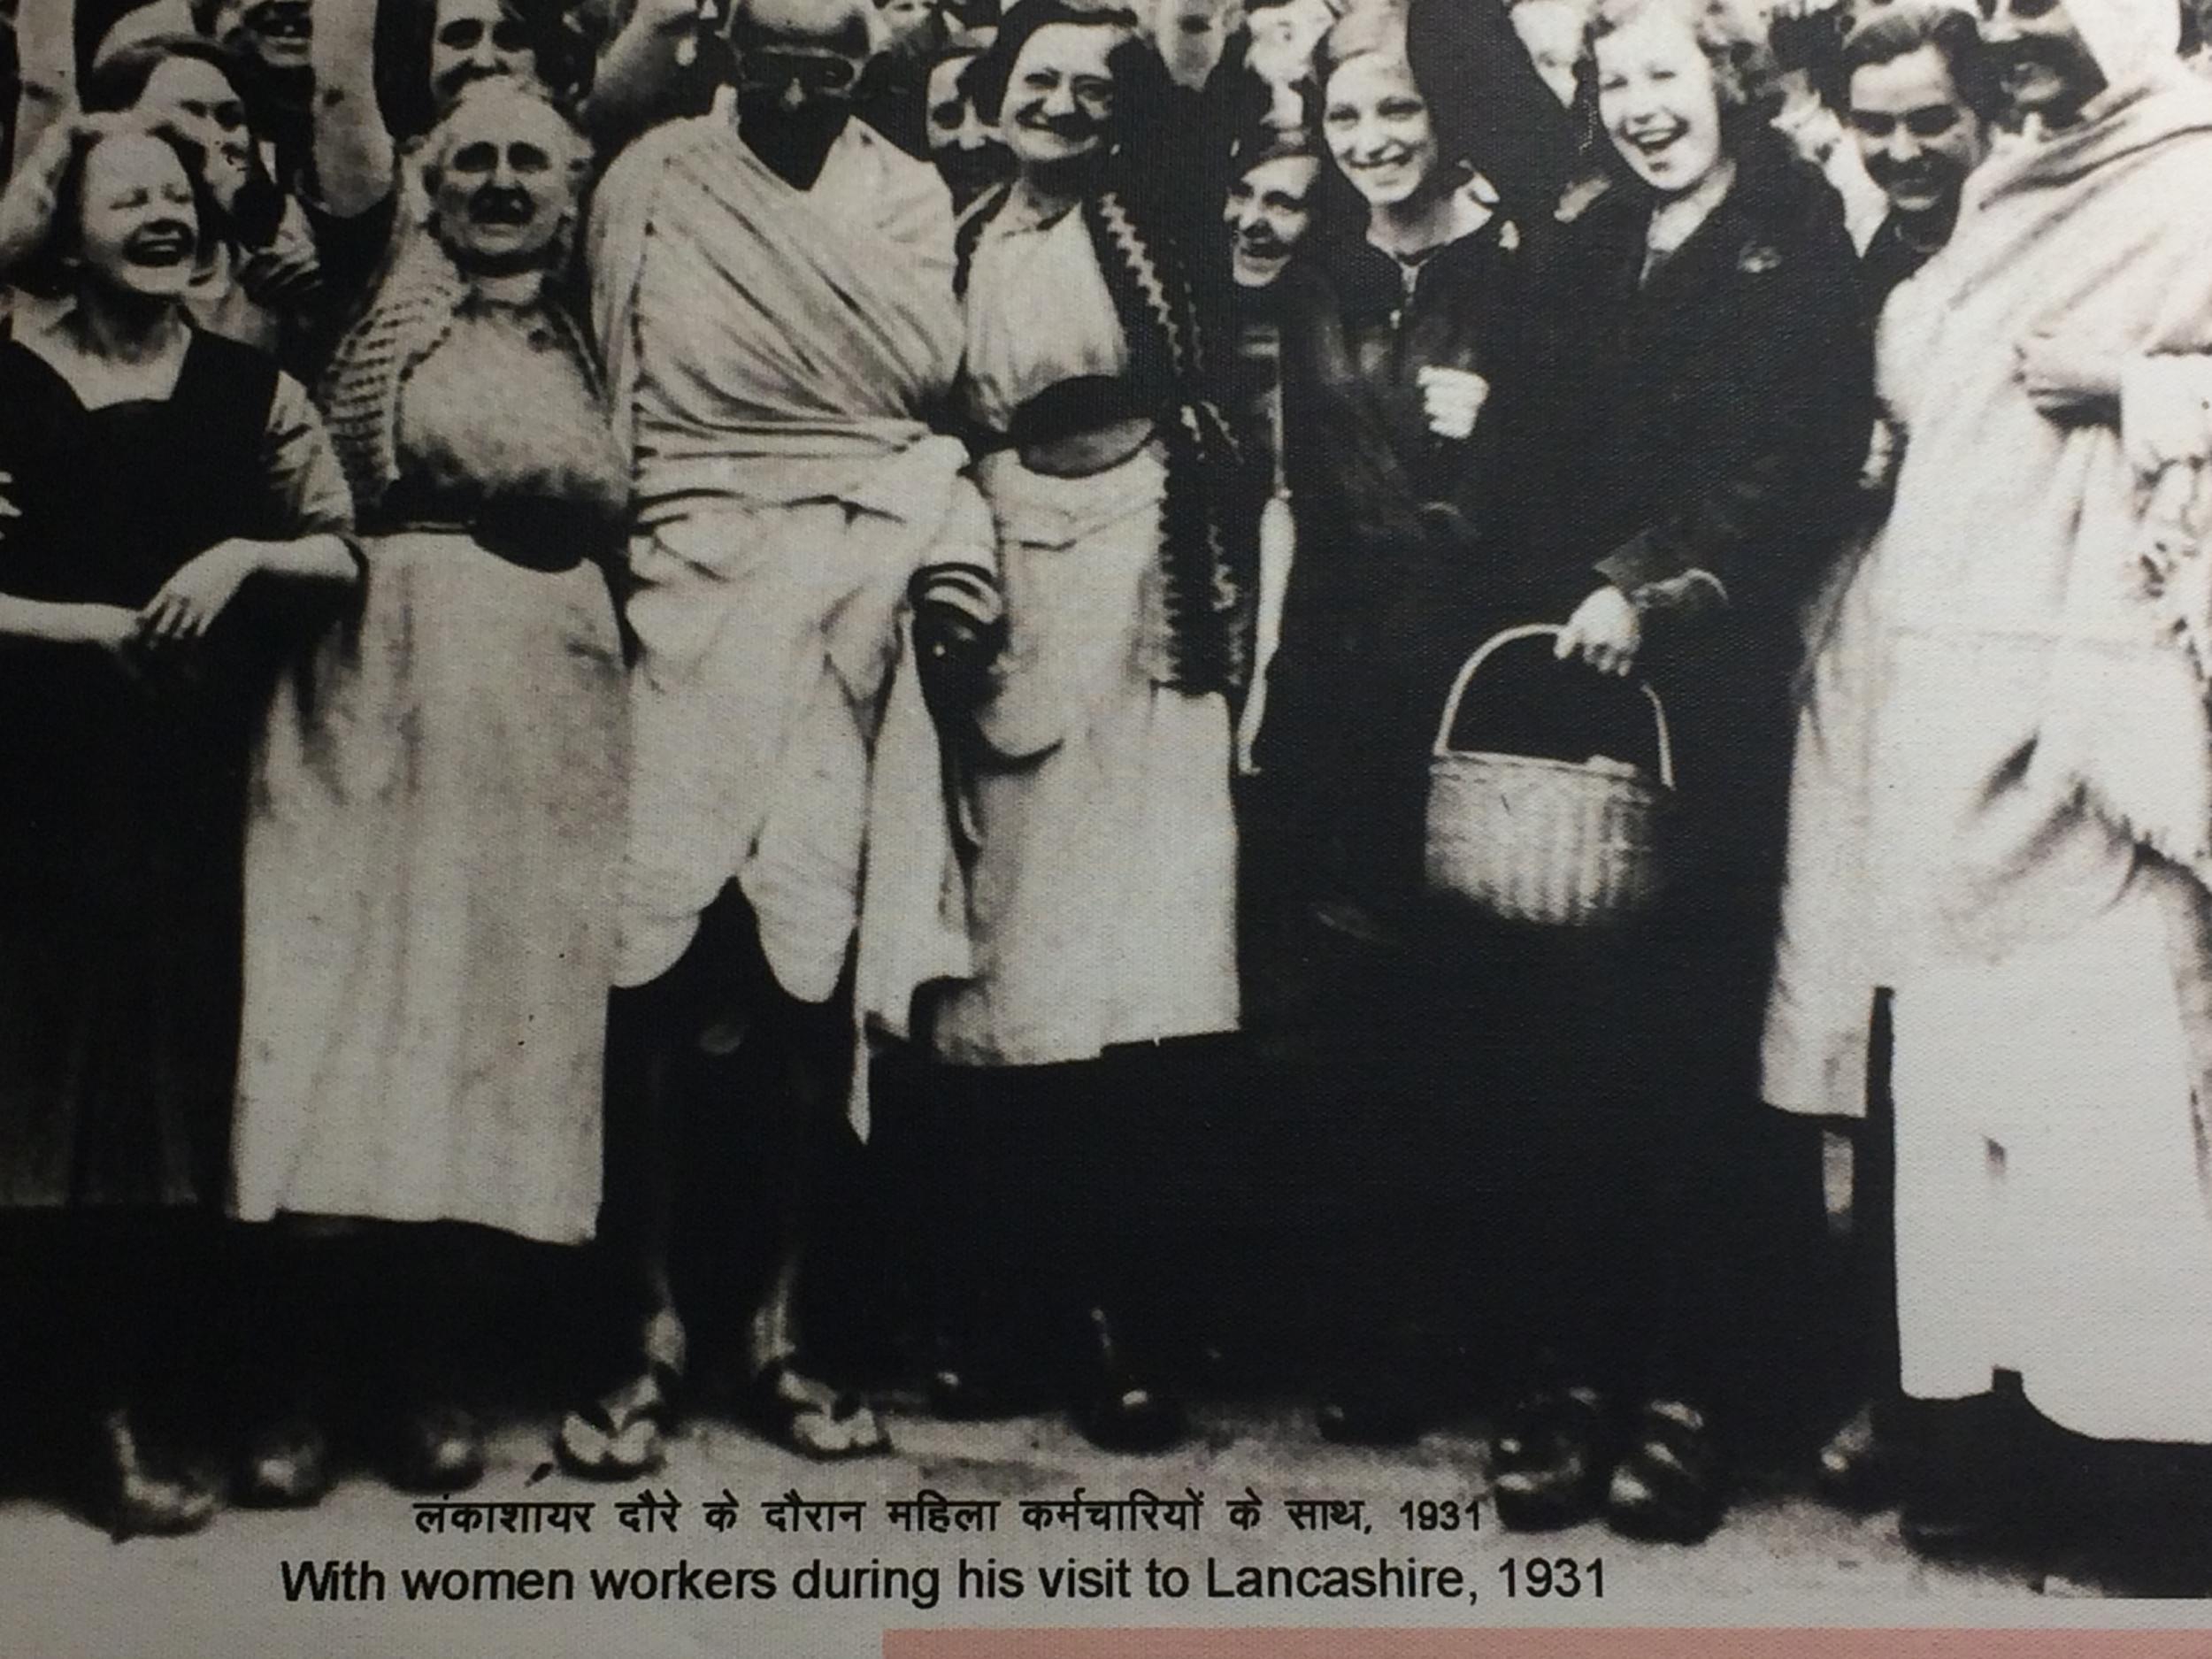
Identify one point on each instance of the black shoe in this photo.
(1670, 1484)
(286, 1466)
(134, 1493)
(1116, 1411)
(1946, 1530)
(979, 1394)
(1367, 1412)
(1551, 1461)
(1858, 1466)
(439, 1448)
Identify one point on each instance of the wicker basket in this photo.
(1556, 842)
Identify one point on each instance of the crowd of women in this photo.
(579, 582)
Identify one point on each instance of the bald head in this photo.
(839, 26)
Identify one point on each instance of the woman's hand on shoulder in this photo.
(1605, 631)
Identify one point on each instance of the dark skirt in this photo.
(120, 939)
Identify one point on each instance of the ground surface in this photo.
(1782, 1557)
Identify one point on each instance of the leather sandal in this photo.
(623, 1434)
(804, 1415)
(1670, 1484)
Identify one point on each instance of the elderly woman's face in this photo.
(137, 230)
(1379, 129)
(502, 186)
(197, 99)
(1059, 104)
(1658, 101)
(476, 40)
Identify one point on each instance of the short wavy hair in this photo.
(42, 210)
(1899, 31)
(987, 78)
(1747, 78)
(437, 144)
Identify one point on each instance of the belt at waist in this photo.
(532, 532)
(1073, 408)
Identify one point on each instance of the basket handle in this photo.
(1490, 647)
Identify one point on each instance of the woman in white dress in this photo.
(1102, 892)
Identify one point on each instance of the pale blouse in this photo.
(505, 406)
(1038, 312)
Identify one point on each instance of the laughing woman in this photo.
(175, 505)
(1708, 396)
(430, 914)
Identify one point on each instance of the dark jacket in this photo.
(1713, 415)
(1395, 526)
(1889, 259)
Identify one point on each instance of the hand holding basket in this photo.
(1557, 843)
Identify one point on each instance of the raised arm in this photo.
(46, 66)
(354, 159)
(643, 67)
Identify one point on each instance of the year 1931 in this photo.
(1558, 1576)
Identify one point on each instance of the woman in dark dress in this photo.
(1706, 401)
(175, 505)
(1400, 341)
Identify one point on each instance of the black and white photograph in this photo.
(824, 821)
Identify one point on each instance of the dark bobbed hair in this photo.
(41, 214)
(1899, 31)
(563, 46)
(985, 79)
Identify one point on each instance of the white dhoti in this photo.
(2051, 1215)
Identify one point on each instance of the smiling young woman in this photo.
(142, 623)
(1706, 376)
(1104, 885)
(1401, 348)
